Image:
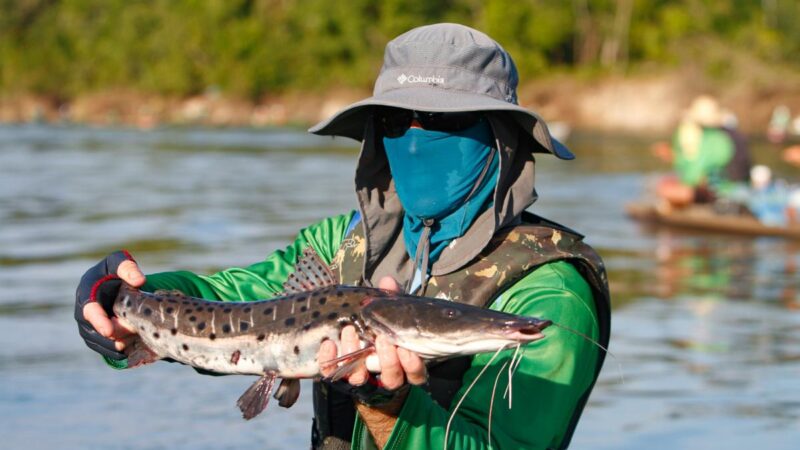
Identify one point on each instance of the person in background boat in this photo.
(708, 156)
(774, 202)
(768, 198)
(445, 173)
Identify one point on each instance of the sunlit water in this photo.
(706, 329)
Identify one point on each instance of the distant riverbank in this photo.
(649, 103)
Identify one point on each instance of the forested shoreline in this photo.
(254, 50)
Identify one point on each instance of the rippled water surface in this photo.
(706, 329)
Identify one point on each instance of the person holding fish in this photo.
(445, 174)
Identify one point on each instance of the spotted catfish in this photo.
(280, 337)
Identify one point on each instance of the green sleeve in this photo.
(720, 149)
(263, 279)
(553, 375)
(258, 281)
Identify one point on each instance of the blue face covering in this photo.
(434, 173)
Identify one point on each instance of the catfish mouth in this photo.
(526, 332)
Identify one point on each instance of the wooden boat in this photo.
(704, 218)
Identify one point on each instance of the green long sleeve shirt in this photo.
(552, 375)
(706, 163)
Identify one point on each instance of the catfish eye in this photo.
(450, 313)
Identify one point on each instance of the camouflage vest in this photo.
(510, 256)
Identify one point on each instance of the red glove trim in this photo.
(96, 286)
(128, 255)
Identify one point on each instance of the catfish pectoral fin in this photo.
(255, 398)
(139, 354)
(288, 392)
(350, 360)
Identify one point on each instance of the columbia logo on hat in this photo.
(403, 78)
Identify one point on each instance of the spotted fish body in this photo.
(280, 337)
(248, 338)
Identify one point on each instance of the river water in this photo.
(706, 329)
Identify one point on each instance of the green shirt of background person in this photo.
(700, 155)
(708, 152)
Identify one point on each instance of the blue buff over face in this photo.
(434, 173)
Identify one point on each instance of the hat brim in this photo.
(350, 121)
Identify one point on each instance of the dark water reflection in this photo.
(706, 329)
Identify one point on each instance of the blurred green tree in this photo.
(252, 48)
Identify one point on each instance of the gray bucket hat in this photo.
(444, 68)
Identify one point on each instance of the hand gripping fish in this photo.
(280, 337)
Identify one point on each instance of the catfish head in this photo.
(437, 329)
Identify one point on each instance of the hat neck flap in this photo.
(382, 214)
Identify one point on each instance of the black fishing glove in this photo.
(370, 393)
(100, 284)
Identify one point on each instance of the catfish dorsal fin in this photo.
(170, 293)
(310, 273)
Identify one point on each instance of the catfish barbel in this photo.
(280, 337)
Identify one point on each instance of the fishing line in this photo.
(469, 388)
(516, 360)
(491, 403)
(578, 333)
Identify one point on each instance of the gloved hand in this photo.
(94, 300)
(371, 392)
(398, 366)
